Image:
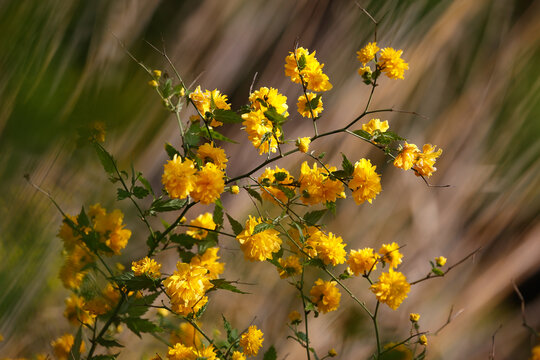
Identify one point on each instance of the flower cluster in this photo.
(216, 155)
(181, 179)
(208, 101)
(421, 161)
(199, 224)
(325, 295)
(258, 245)
(391, 289)
(303, 67)
(146, 266)
(62, 346)
(375, 124)
(316, 185)
(182, 352)
(261, 131)
(279, 179)
(390, 61)
(315, 106)
(75, 311)
(362, 261)
(289, 266)
(366, 183)
(251, 341)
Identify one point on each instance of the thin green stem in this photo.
(105, 327)
(376, 326)
(301, 289)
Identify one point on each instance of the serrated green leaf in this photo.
(363, 134)
(163, 205)
(316, 262)
(133, 283)
(137, 307)
(339, 174)
(348, 167)
(108, 344)
(82, 219)
(106, 159)
(235, 225)
(121, 194)
(270, 354)
(302, 61)
(254, 194)
(280, 176)
(227, 116)
(211, 134)
(289, 193)
(146, 184)
(437, 271)
(167, 88)
(276, 118)
(138, 326)
(218, 214)
(75, 352)
(140, 192)
(183, 240)
(312, 217)
(262, 227)
(192, 136)
(226, 285)
(315, 101)
(171, 151)
(302, 336)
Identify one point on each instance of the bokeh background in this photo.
(474, 75)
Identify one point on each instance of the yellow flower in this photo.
(440, 261)
(186, 335)
(101, 304)
(235, 189)
(259, 246)
(364, 70)
(391, 63)
(325, 295)
(208, 153)
(97, 129)
(156, 73)
(237, 355)
(271, 192)
(400, 351)
(366, 183)
(208, 101)
(304, 109)
(270, 97)
(390, 254)
(153, 83)
(290, 266)
(62, 346)
(407, 156)
(423, 340)
(535, 354)
(146, 266)
(391, 289)
(251, 341)
(312, 74)
(261, 131)
(367, 53)
(208, 184)
(362, 261)
(303, 144)
(209, 260)
(75, 312)
(111, 230)
(178, 177)
(332, 352)
(181, 352)
(426, 159)
(414, 317)
(331, 249)
(294, 317)
(69, 236)
(207, 353)
(317, 187)
(186, 288)
(71, 272)
(375, 124)
(205, 221)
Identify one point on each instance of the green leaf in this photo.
(122, 194)
(137, 307)
(75, 352)
(348, 167)
(192, 136)
(140, 192)
(171, 151)
(289, 193)
(438, 272)
(280, 176)
(302, 336)
(254, 194)
(312, 217)
(270, 354)
(302, 61)
(185, 256)
(315, 101)
(262, 227)
(276, 118)
(132, 282)
(339, 174)
(235, 225)
(214, 135)
(82, 219)
(226, 285)
(163, 205)
(146, 184)
(363, 134)
(227, 116)
(232, 334)
(316, 262)
(183, 240)
(104, 357)
(331, 205)
(167, 88)
(218, 214)
(138, 326)
(108, 344)
(208, 242)
(106, 159)
(321, 155)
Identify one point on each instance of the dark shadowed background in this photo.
(474, 75)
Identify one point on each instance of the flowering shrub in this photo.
(104, 297)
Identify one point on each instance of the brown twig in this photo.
(492, 351)
(449, 320)
(523, 317)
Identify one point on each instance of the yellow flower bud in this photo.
(414, 317)
(303, 144)
(235, 189)
(157, 73)
(294, 316)
(153, 83)
(183, 220)
(423, 340)
(120, 267)
(163, 312)
(332, 352)
(441, 260)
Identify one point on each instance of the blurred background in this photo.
(474, 75)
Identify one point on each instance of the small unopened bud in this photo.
(157, 73)
(414, 317)
(332, 352)
(423, 340)
(441, 260)
(235, 189)
(303, 144)
(153, 83)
